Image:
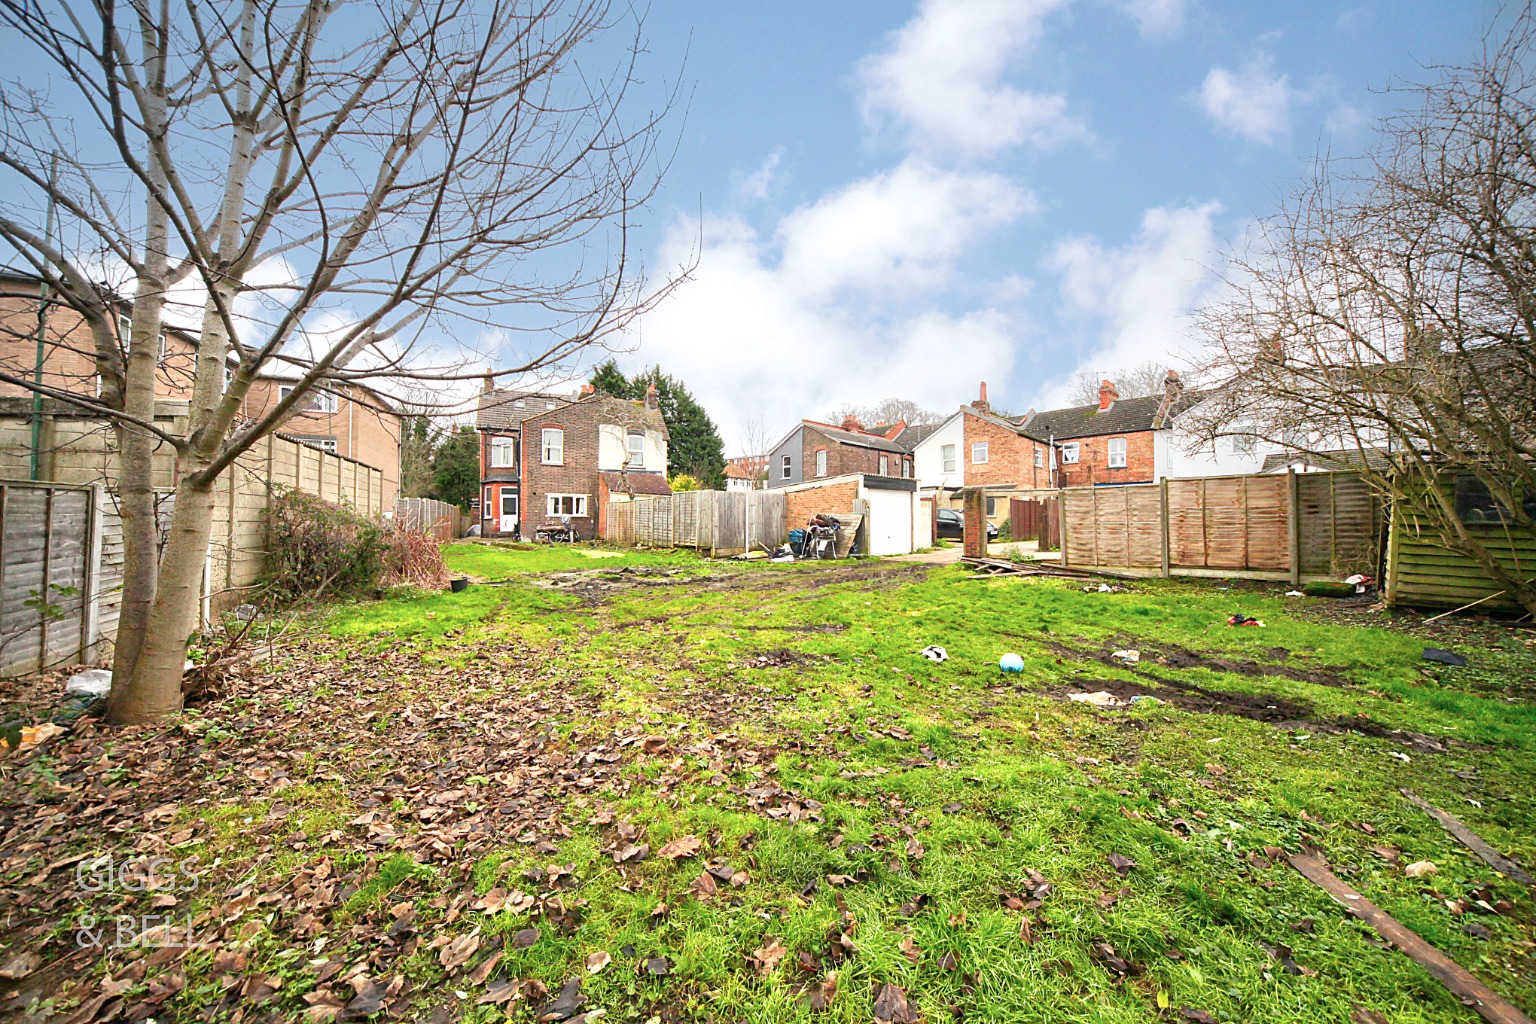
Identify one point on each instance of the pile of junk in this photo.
(819, 539)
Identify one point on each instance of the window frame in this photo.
(636, 455)
(948, 454)
(553, 503)
(1039, 458)
(986, 453)
(821, 462)
(885, 465)
(503, 443)
(906, 468)
(788, 469)
(1124, 453)
(1071, 452)
(501, 503)
(316, 401)
(557, 448)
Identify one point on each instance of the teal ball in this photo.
(1011, 663)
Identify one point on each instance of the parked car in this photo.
(952, 524)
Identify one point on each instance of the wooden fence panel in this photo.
(1322, 525)
(436, 519)
(725, 522)
(46, 578)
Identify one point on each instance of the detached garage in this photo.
(893, 519)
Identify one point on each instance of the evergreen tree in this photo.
(456, 468)
(608, 379)
(694, 447)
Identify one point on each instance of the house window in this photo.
(548, 406)
(1244, 444)
(885, 465)
(1069, 453)
(1117, 453)
(784, 473)
(906, 469)
(508, 502)
(636, 442)
(485, 501)
(567, 504)
(1039, 459)
(229, 378)
(978, 452)
(520, 403)
(124, 330)
(325, 444)
(991, 507)
(554, 446)
(503, 453)
(315, 401)
(160, 357)
(948, 455)
(821, 462)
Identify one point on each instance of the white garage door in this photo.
(890, 522)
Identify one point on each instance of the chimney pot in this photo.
(981, 402)
(588, 389)
(851, 422)
(1107, 395)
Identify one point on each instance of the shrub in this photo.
(684, 482)
(413, 559)
(317, 549)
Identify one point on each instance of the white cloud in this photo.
(757, 186)
(896, 232)
(1254, 102)
(942, 79)
(1155, 18)
(840, 304)
(1138, 297)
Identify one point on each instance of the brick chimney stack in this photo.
(651, 399)
(1107, 395)
(490, 383)
(851, 422)
(586, 390)
(981, 402)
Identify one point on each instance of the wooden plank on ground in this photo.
(1471, 840)
(1461, 983)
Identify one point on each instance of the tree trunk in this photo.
(136, 506)
(154, 691)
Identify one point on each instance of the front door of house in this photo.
(508, 511)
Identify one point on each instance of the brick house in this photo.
(349, 420)
(976, 447)
(814, 450)
(345, 419)
(499, 420)
(746, 473)
(577, 457)
(1118, 441)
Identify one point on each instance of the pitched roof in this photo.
(746, 467)
(910, 437)
(1126, 416)
(624, 412)
(635, 483)
(499, 410)
(858, 438)
(1343, 458)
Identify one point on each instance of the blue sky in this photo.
(907, 198)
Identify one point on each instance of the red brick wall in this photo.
(975, 540)
(578, 474)
(1093, 461)
(834, 499)
(362, 431)
(69, 352)
(842, 459)
(1010, 457)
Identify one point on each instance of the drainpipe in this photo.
(34, 461)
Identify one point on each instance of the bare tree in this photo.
(1139, 381)
(337, 186)
(1389, 312)
(886, 412)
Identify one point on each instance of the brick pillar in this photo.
(975, 522)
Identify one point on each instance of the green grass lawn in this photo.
(872, 818)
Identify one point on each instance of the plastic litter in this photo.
(1011, 662)
(1099, 699)
(1104, 588)
(933, 652)
(1128, 657)
(1145, 698)
(1443, 657)
(1244, 620)
(93, 682)
(1360, 581)
(1294, 593)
